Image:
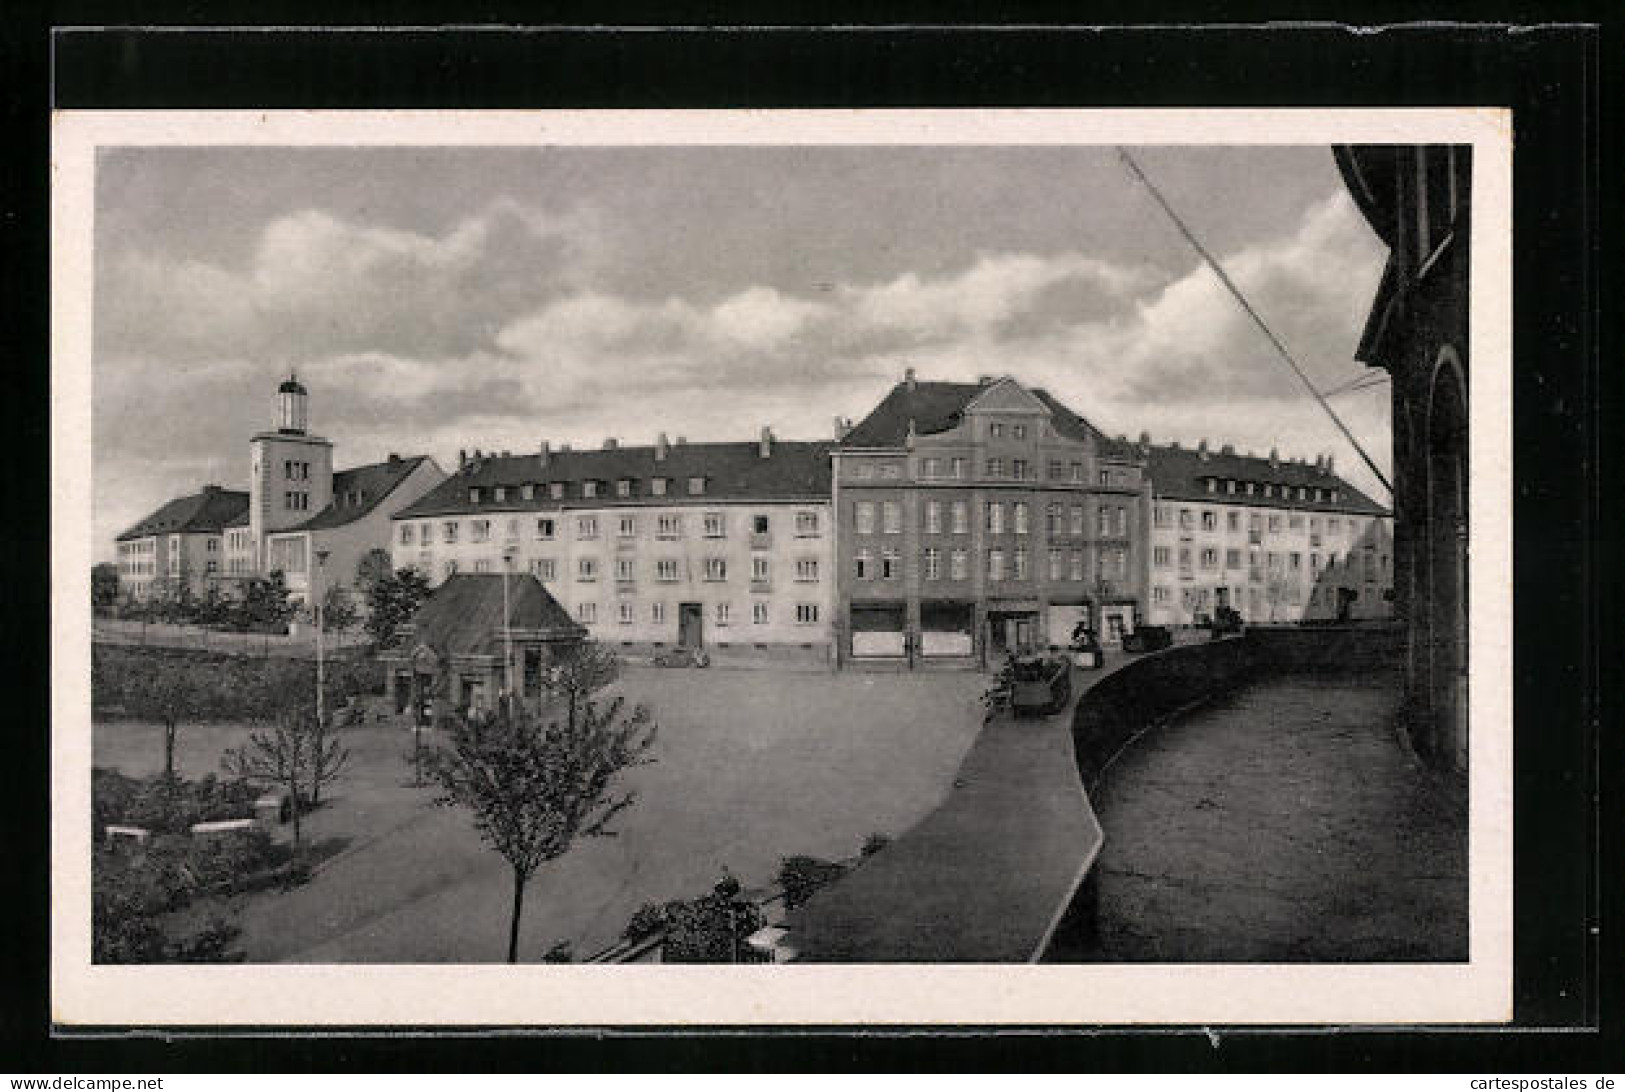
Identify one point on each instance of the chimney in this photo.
(681, 440)
(662, 446)
(477, 455)
(563, 448)
(506, 454)
(764, 446)
(842, 427)
(1331, 466)
(1174, 444)
(544, 452)
(610, 443)
(1228, 449)
(984, 380)
(394, 456)
(908, 441)
(1275, 457)
(462, 457)
(908, 379)
(1201, 449)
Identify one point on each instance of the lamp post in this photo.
(321, 680)
(507, 630)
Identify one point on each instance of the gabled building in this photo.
(1276, 540)
(723, 546)
(976, 519)
(181, 545)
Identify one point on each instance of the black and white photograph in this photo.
(920, 565)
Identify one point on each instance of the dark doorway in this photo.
(690, 625)
(1012, 631)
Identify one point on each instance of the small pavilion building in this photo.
(451, 656)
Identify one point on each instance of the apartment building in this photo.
(1277, 540)
(181, 545)
(706, 545)
(976, 519)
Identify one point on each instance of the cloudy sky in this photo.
(433, 299)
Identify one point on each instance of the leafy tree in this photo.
(103, 585)
(801, 877)
(373, 567)
(168, 690)
(266, 603)
(535, 781)
(392, 600)
(338, 610)
(711, 928)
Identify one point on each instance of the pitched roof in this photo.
(1181, 473)
(793, 470)
(359, 490)
(464, 616)
(938, 407)
(197, 513)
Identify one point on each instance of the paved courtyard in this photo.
(752, 766)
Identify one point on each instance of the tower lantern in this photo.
(292, 407)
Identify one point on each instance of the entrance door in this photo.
(1119, 622)
(1013, 631)
(690, 625)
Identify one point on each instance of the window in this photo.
(501, 493)
(1160, 516)
(480, 530)
(1075, 565)
(958, 467)
(587, 613)
(586, 527)
(1210, 558)
(1057, 564)
(1185, 523)
(995, 564)
(1273, 560)
(891, 470)
(668, 526)
(406, 534)
(1077, 472)
(589, 489)
(1275, 524)
(863, 565)
(1232, 559)
(451, 568)
(995, 430)
(1314, 563)
(666, 570)
(716, 568)
(1054, 470)
(961, 516)
(587, 569)
(1122, 522)
(724, 613)
(891, 515)
(555, 490)
(1054, 520)
(1185, 558)
(425, 533)
(1105, 477)
(623, 488)
(758, 613)
(448, 530)
(891, 566)
(1232, 521)
(1018, 432)
(931, 468)
(1295, 561)
(1019, 468)
(760, 569)
(624, 613)
(931, 563)
(1021, 517)
(513, 528)
(1250, 487)
(1295, 523)
(1159, 594)
(1077, 519)
(958, 565)
(1334, 525)
(806, 524)
(995, 518)
(544, 527)
(627, 526)
(527, 491)
(758, 524)
(623, 570)
(696, 486)
(483, 565)
(995, 468)
(545, 568)
(933, 517)
(1103, 521)
(863, 470)
(212, 566)
(657, 486)
(806, 614)
(807, 570)
(863, 517)
(1159, 556)
(1230, 486)
(1210, 520)
(657, 613)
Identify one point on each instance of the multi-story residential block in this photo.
(713, 545)
(181, 545)
(296, 513)
(980, 518)
(1277, 541)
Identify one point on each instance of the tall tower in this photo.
(291, 478)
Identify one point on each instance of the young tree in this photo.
(168, 690)
(392, 600)
(292, 753)
(338, 610)
(373, 567)
(535, 781)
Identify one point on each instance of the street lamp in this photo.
(316, 589)
(507, 628)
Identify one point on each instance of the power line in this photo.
(1224, 278)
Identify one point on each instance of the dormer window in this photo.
(696, 486)
(527, 491)
(657, 486)
(623, 488)
(474, 495)
(589, 488)
(501, 493)
(1213, 485)
(555, 490)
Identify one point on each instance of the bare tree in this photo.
(536, 780)
(291, 754)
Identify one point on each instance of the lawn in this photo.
(751, 766)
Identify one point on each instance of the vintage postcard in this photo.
(981, 567)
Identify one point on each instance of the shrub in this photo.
(646, 921)
(710, 929)
(801, 876)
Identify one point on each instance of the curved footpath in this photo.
(986, 877)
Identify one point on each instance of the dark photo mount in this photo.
(1542, 75)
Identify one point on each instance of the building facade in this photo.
(1275, 540)
(180, 548)
(723, 546)
(1418, 200)
(976, 519)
